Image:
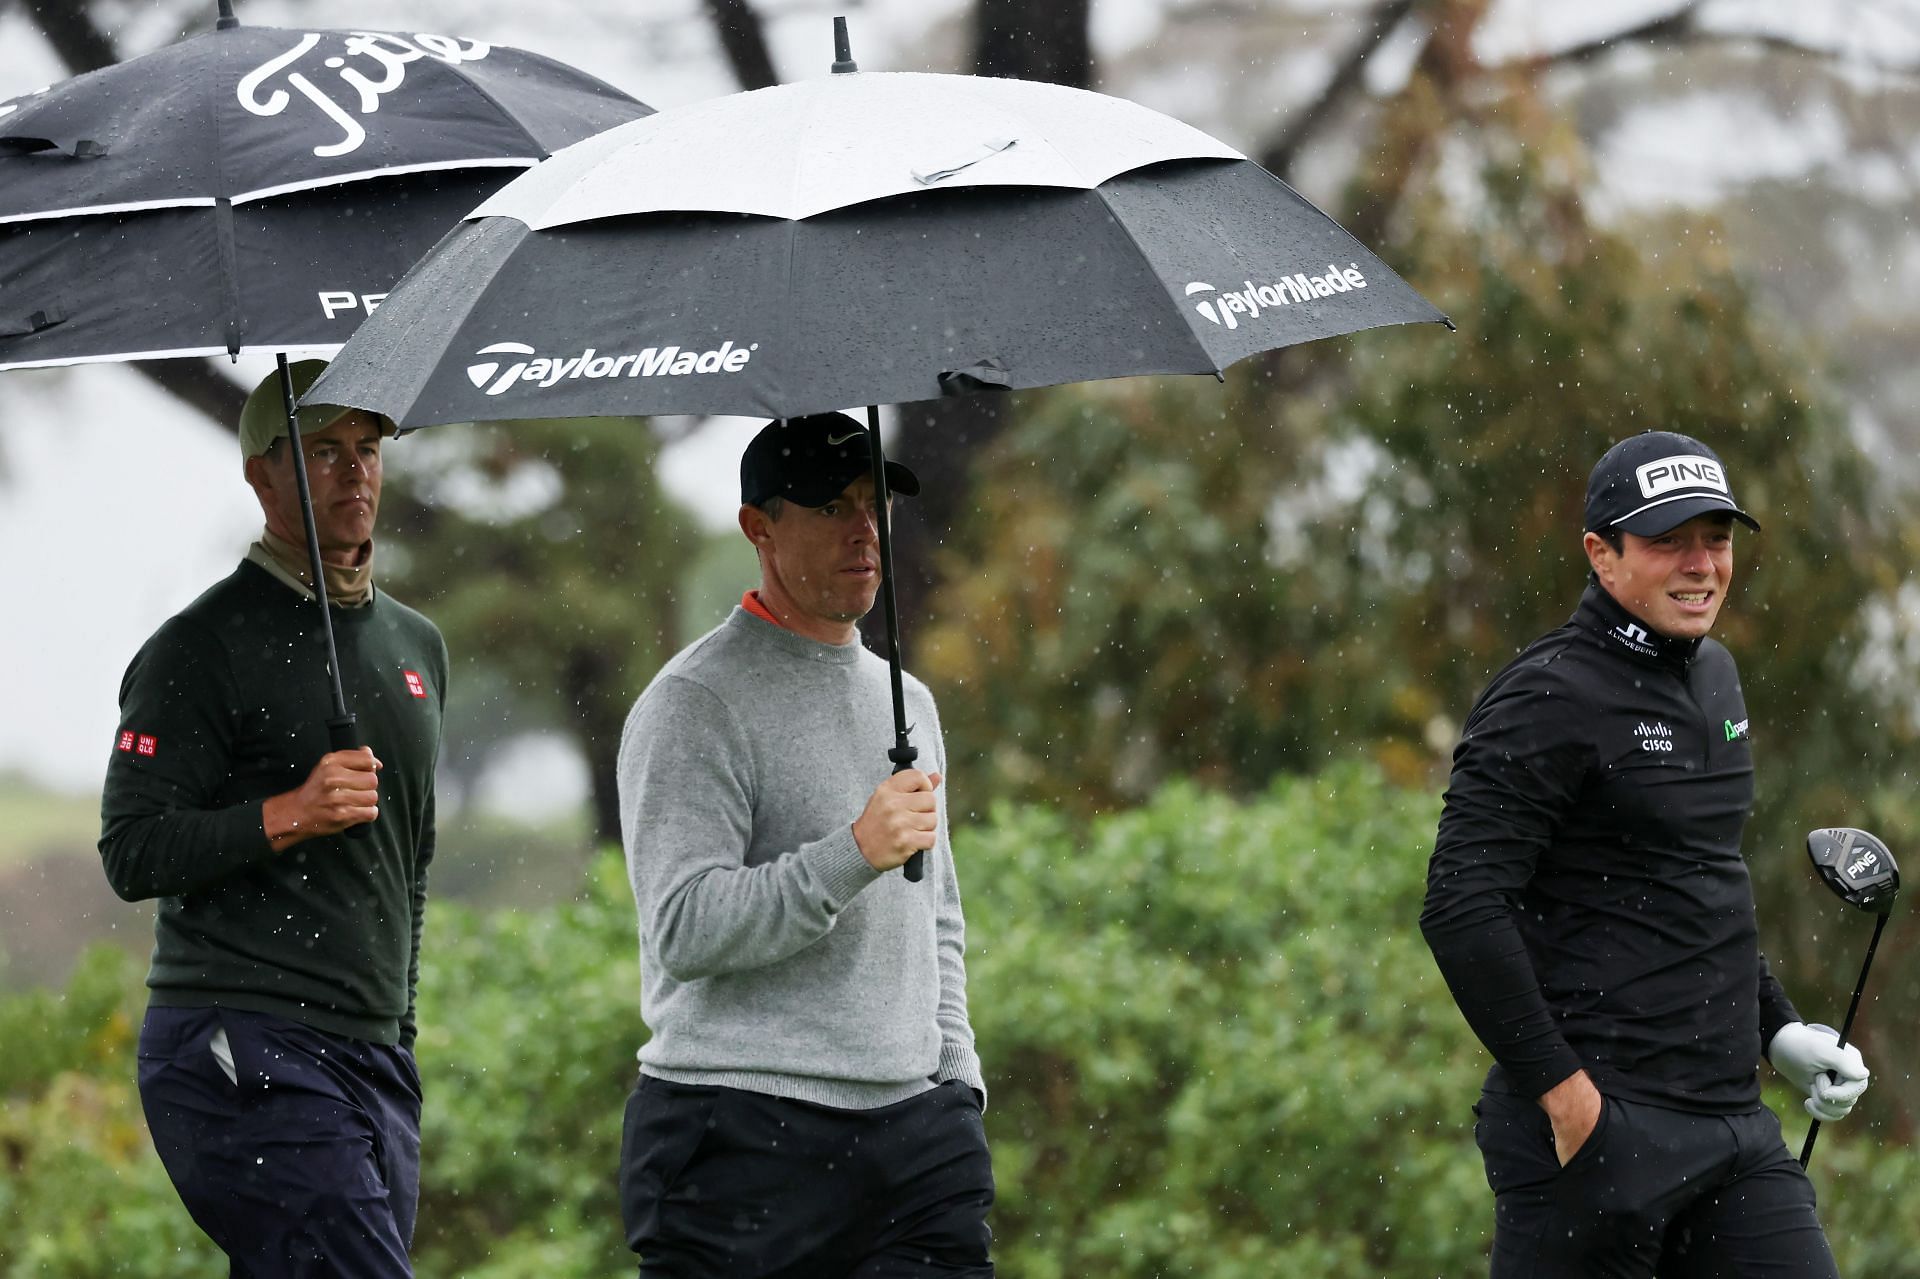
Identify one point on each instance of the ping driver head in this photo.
(1857, 866)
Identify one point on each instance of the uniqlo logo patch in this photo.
(146, 745)
(415, 685)
(126, 740)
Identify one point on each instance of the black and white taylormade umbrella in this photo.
(859, 239)
(258, 189)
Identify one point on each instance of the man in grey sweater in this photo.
(810, 1100)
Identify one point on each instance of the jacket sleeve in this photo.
(686, 820)
(163, 832)
(1776, 1010)
(1518, 770)
(958, 1058)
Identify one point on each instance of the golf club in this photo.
(1860, 870)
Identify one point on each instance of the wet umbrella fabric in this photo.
(859, 239)
(980, 247)
(257, 189)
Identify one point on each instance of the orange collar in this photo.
(751, 602)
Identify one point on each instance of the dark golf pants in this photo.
(309, 1165)
(717, 1182)
(1652, 1192)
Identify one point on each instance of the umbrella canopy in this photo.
(856, 239)
(862, 238)
(258, 189)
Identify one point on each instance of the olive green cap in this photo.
(264, 419)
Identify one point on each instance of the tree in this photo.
(552, 561)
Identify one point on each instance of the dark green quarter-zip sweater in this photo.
(225, 706)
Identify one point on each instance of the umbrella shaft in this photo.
(313, 537)
(903, 753)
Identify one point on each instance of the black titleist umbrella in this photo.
(256, 189)
(858, 239)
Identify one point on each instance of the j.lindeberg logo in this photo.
(1635, 637)
(1248, 301)
(653, 361)
(1681, 471)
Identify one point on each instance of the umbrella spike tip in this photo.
(842, 49)
(227, 21)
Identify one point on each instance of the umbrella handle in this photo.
(343, 734)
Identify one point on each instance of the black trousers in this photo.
(1652, 1192)
(307, 1163)
(737, 1185)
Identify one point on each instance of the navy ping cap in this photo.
(1658, 480)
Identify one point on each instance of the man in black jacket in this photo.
(276, 1057)
(1589, 908)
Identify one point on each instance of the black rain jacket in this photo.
(1587, 902)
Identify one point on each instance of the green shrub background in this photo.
(1215, 1042)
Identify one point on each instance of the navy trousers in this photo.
(307, 1163)
(717, 1183)
(1652, 1192)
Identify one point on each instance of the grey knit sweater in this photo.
(772, 957)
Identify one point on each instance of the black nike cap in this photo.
(811, 460)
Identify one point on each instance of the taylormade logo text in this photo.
(495, 376)
(1226, 304)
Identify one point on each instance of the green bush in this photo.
(1215, 1043)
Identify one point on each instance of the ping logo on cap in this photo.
(1681, 471)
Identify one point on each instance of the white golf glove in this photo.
(1811, 1059)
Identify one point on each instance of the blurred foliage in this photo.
(1215, 1045)
(550, 559)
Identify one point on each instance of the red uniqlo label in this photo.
(126, 740)
(415, 685)
(146, 745)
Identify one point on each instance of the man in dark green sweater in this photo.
(276, 1065)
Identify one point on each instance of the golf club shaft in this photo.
(903, 753)
(1846, 1027)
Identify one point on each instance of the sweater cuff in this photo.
(842, 869)
(236, 836)
(1538, 1078)
(959, 1061)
